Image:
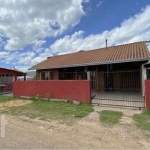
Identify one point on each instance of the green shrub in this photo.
(37, 97)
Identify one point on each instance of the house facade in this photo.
(120, 69)
(7, 76)
(78, 66)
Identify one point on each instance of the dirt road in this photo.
(23, 133)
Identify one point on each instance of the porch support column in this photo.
(24, 77)
(88, 75)
(143, 78)
(15, 78)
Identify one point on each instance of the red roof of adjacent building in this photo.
(19, 73)
(121, 53)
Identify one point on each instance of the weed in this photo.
(143, 120)
(6, 98)
(110, 117)
(36, 98)
(48, 111)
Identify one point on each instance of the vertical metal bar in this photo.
(138, 91)
(123, 88)
(132, 88)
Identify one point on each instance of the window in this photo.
(51, 75)
(46, 75)
(43, 75)
(6, 78)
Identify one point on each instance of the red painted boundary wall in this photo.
(57, 89)
(147, 93)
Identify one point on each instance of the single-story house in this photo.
(7, 76)
(117, 69)
(30, 75)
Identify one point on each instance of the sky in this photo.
(32, 30)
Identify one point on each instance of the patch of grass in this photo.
(44, 110)
(110, 117)
(6, 98)
(143, 120)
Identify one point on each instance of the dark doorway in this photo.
(108, 80)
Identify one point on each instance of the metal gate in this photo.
(117, 88)
(6, 87)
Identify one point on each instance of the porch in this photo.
(118, 98)
(118, 84)
(118, 88)
(7, 76)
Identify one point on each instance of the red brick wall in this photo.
(58, 89)
(147, 93)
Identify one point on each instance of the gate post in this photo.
(90, 89)
(147, 93)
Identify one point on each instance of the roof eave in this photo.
(92, 64)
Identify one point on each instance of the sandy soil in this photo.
(24, 133)
(14, 103)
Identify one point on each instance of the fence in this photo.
(117, 88)
(6, 87)
(5, 83)
(147, 93)
(57, 89)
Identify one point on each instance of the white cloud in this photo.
(24, 60)
(17, 58)
(37, 46)
(3, 54)
(136, 28)
(99, 4)
(69, 44)
(25, 21)
(42, 56)
(22, 68)
(2, 42)
(11, 58)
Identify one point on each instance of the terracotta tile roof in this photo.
(120, 53)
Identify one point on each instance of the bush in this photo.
(37, 97)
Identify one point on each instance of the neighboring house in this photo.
(119, 68)
(7, 76)
(30, 75)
